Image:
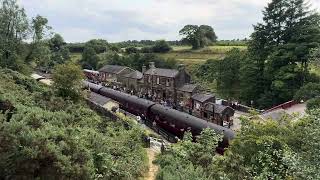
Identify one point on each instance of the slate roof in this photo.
(202, 97)
(163, 72)
(98, 99)
(134, 75)
(188, 88)
(218, 108)
(114, 69)
(91, 71)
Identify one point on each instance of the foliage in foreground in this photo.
(189, 160)
(67, 80)
(50, 138)
(269, 149)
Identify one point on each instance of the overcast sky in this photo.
(119, 20)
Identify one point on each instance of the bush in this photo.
(49, 138)
(147, 50)
(307, 92)
(161, 47)
(131, 50)
(313, 104)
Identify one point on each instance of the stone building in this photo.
(133, 81)
(162, 84)
(204, 106)
(184, 96)
(121, 76)
(199, 101)
(218, 114)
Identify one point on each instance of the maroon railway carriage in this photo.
(172, 121)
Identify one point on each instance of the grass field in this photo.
(186, 55)
(209, 49)
(75, 57)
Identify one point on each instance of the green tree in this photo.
(198, 36)
(14, 28)
(313, 104)
(60, 53)
(308, 91)
(279, 49)
(132, 50)
(39, 28)
(99, 45)
(90, 59)
(68, 81)
(161, 46)
(56, 42)
(40, 53)
(189, 160)
(228, 74)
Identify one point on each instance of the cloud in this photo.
(117, 20)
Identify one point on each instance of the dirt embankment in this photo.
(153, 168)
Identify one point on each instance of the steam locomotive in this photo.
(172, 121)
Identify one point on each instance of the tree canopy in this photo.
(198, 36)
(276, 64)
(14, 28)
(67, 80)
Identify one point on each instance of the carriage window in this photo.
(158, 80)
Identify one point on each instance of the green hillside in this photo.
(51, 138)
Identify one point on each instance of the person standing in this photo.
(139, 119)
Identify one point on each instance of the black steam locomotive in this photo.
(172, 121)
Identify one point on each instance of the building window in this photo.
(149, 79)
(168, 82)
(205, 115)
(158, 80)
(197, 106)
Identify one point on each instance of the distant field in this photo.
(75, 57)
(190, 57)
(186, 55)
(210, 49)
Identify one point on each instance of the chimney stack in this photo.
(152, 65)
(181, 67)
(144, 69)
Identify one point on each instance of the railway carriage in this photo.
(172, 121)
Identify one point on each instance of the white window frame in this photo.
(168, 82)
(149, 79)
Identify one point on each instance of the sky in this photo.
(121, 20)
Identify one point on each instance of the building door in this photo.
(164, 95)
